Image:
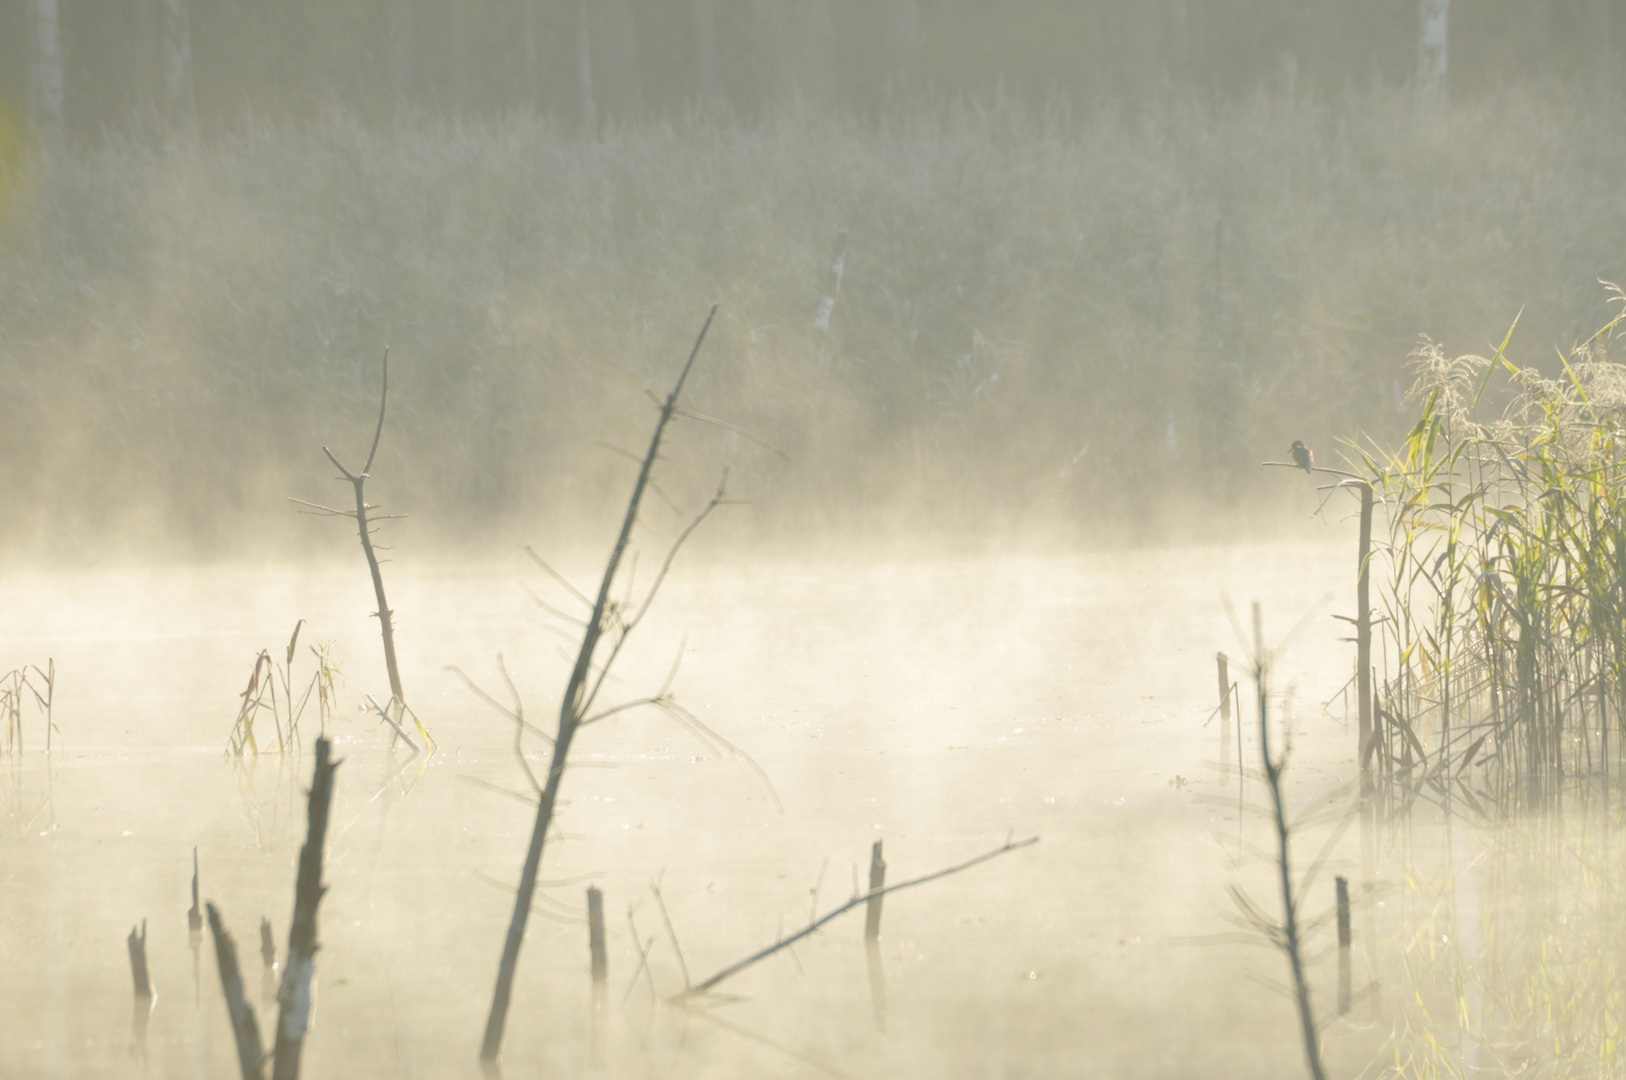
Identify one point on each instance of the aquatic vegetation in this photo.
(22, 688)
(1503, 583)
(271, 690)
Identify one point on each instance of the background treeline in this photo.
(657, 58)
(1044, 318)
(1100, 259)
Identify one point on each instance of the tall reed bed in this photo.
(1503, 582)
(1075, 316)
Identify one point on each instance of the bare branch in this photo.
(730, 427)
(560, 578)
(327, 510)
(857, 901)
(383, 401)
(348, 475)
(390, 720)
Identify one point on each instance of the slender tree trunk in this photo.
(705, 55)
(179, 103)
(584, 68)
(46, 99)
(1431, 48)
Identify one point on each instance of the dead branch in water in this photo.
(299, 973)
(861, 900)
(364, 527)
(607, 627)
(245, 1029)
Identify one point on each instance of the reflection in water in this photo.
(140, 1019)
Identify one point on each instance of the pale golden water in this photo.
(937, 705)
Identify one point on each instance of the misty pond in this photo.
(938, 705)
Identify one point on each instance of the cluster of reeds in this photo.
(1040, 312)
(271, 690)
(1502, 583)
(20, 688)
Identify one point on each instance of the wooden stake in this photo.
(595, 934)
(1344, 941)
(877, 883)
(138, 961)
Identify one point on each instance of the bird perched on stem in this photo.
(1302, 456)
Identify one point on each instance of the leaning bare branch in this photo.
(742, 433)
(319, 509)
(857, 901)
(390, 720)
(560, 578)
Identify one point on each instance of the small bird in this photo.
(1302, 456)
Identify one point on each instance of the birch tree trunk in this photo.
(1431, 52)
(179, 104)
(705, 55)
(46, 99)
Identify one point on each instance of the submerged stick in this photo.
(1344, 940)
(244, 1028)
(294, 997)
(762, 954)
(877, 885)
(138, 961)
(194, 917)
(595, 934)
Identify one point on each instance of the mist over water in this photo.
(1012, 301)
